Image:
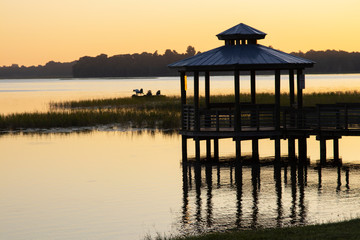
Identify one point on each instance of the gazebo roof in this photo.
(250, 56)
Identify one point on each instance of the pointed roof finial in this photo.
(241, 31)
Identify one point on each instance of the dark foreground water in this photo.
(126, 185)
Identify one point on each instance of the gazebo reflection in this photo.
(204, 184)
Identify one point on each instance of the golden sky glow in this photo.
(36, 31)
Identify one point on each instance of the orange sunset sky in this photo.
(36, 31)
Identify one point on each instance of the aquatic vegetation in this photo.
(343, 230)
(159, 112)
(81, 118)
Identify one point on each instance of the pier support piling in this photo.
(197, 150)
(336, 149)
(291, 149)
(322, 150)
(277, 149)
(302, 145)
(208, 149)
(255, 149)
(238, 150)
(184, 149)
(216, 149)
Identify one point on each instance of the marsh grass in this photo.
(142, 112)
(343, 230)
(173, 103)
(83, 118)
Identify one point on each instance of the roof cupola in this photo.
(241, 34)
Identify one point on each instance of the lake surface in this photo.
(127, 184)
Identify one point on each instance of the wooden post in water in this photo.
(208, 149)
(184, 148)
(302, 145)
(291, 148)
(322, 150)
(197, 150)
(277, 149)
(238, 150)
(336, 149)
(216, 149)
(255, 149)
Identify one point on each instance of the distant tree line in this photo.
(130, 65)
(332, 61)
(154, 64)
(50, 70)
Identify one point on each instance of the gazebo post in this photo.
(207, 89)
(183, 97)
(291, 87)
(255, 142)
(302, 144)
(291, 140)
(237, 125)
(207, 106)
(277, 114)
(196, 100)
(277, 99)
(196, 111)
(299, 97)
(299, 89)
(253, 86)
(183, 103)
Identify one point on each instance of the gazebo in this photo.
(238, 120)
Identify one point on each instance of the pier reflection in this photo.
(242, 195)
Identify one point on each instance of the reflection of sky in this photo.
(34, 94)
(126, 184)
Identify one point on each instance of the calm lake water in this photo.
(117, 184)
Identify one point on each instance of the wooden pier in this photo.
(240, 121)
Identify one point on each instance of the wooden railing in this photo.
(256, 117)
(342, 116)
